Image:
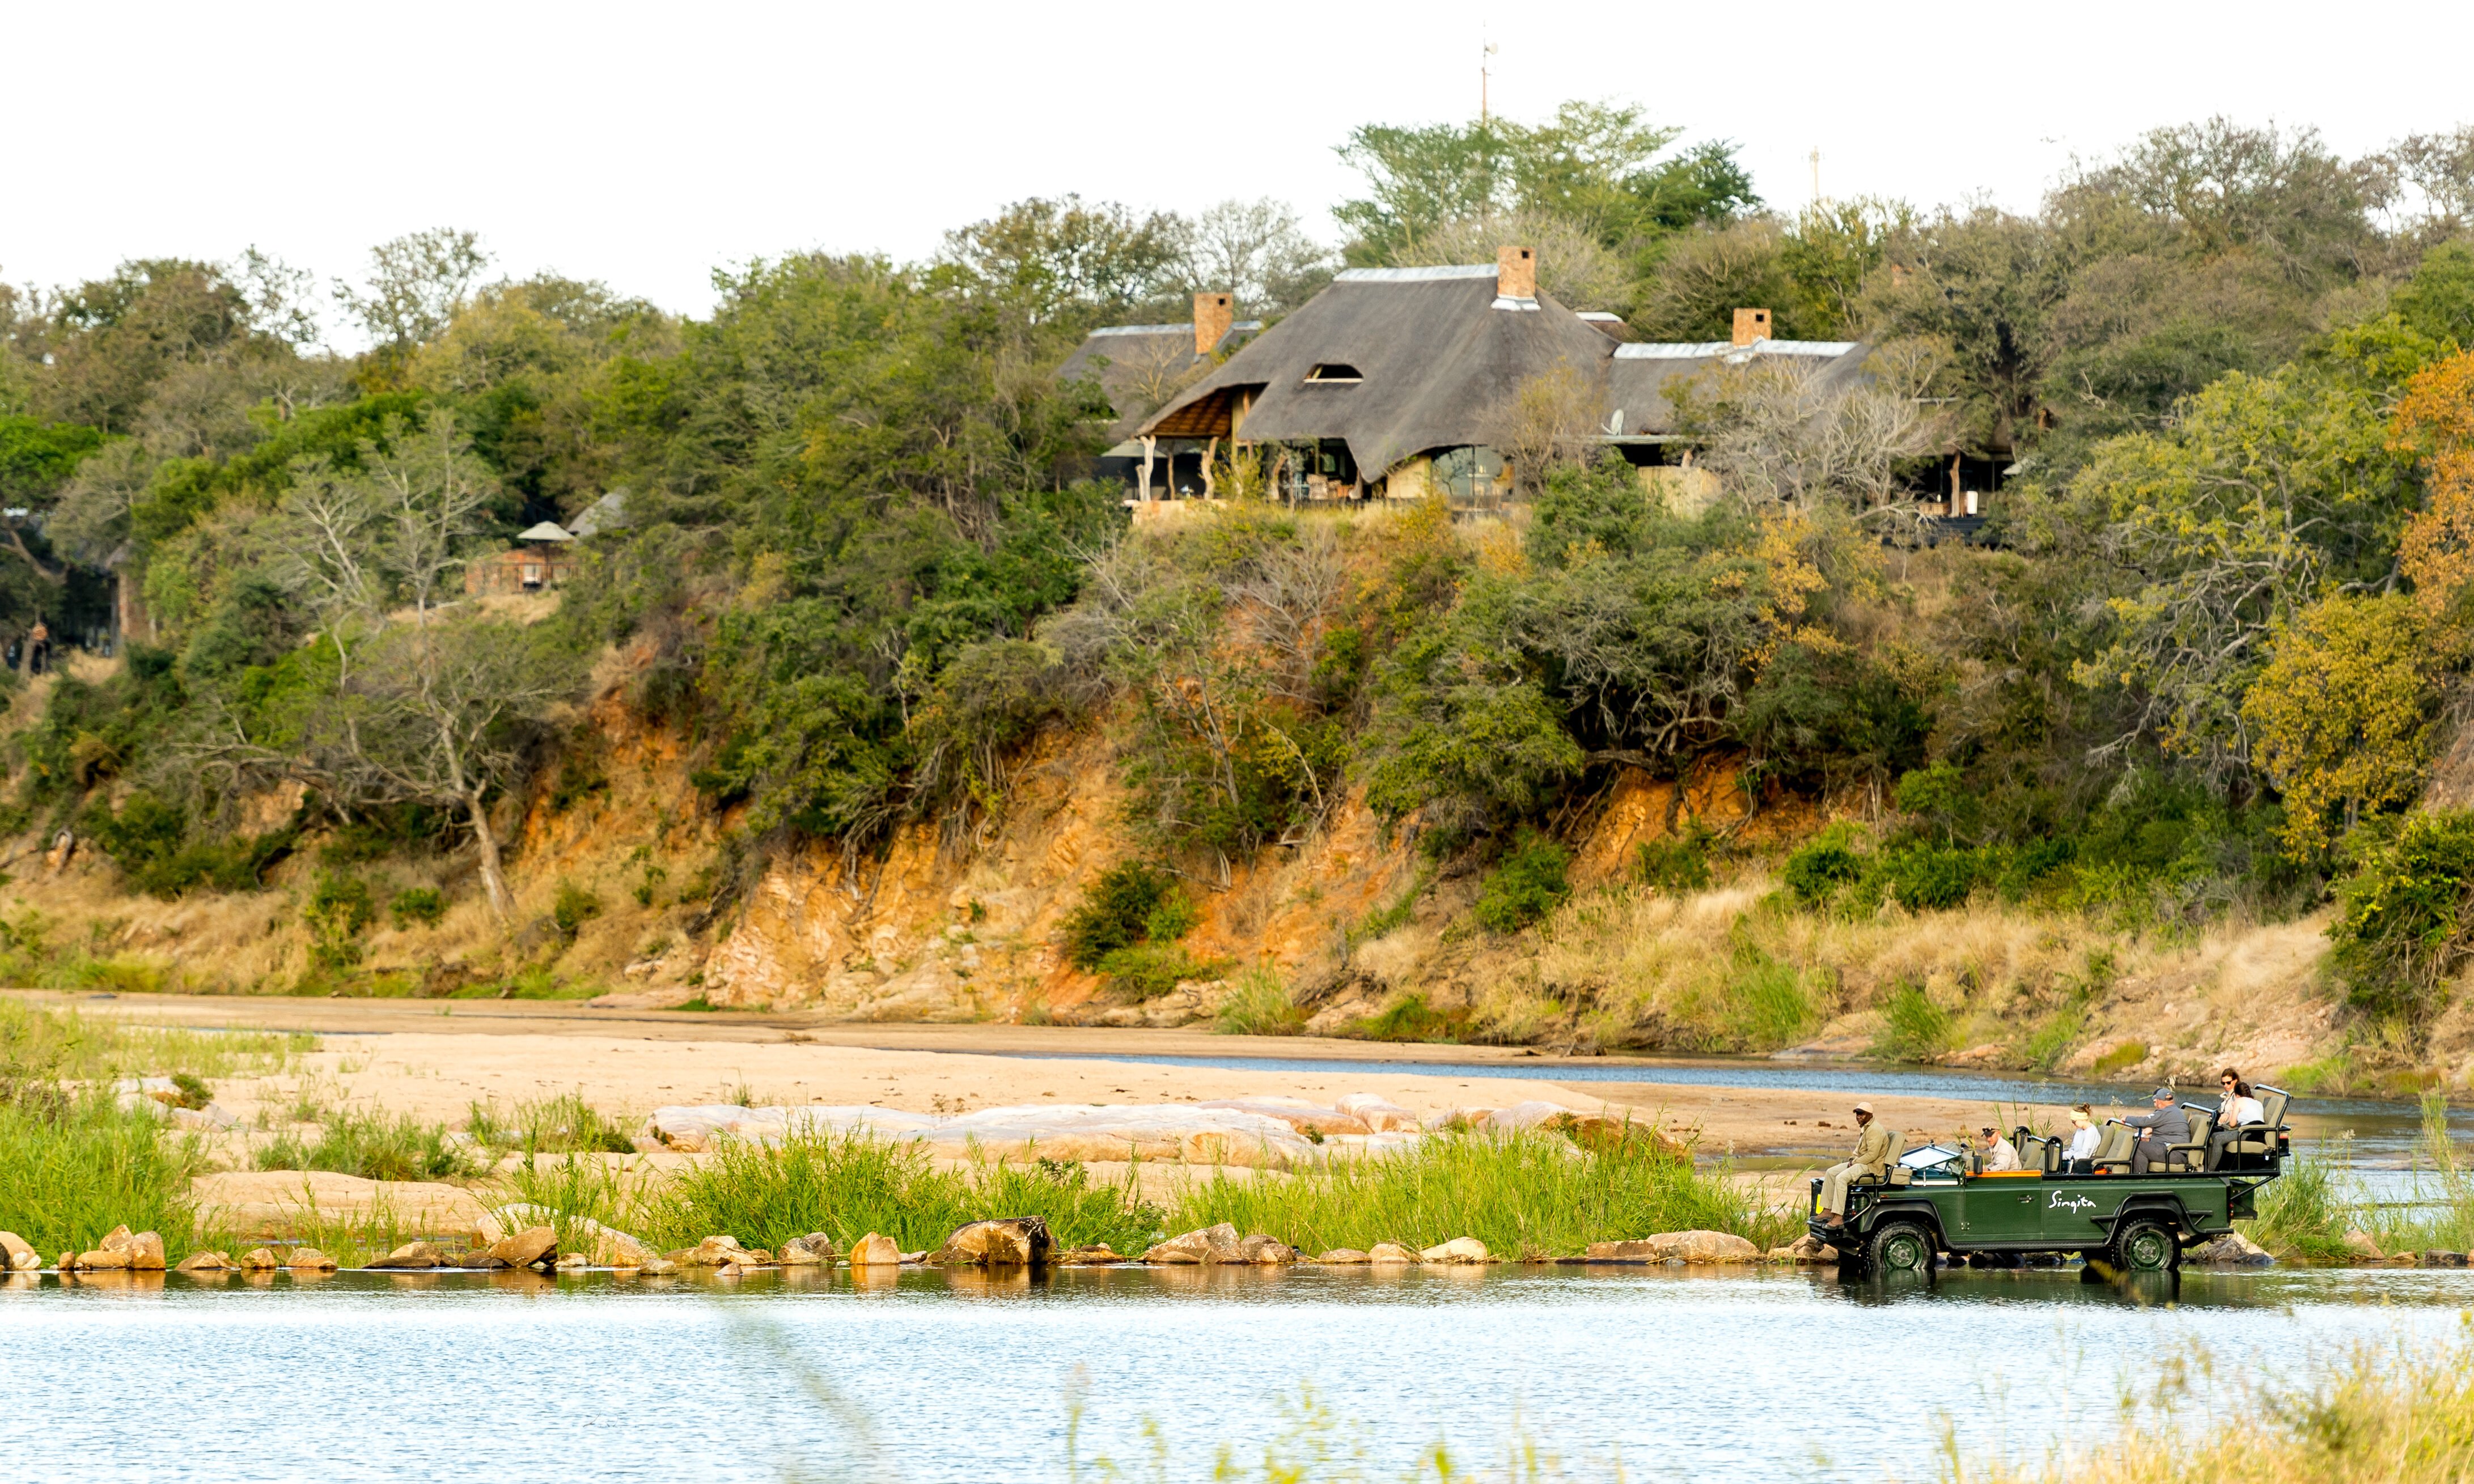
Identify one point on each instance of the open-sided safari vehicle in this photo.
(1936, 1199)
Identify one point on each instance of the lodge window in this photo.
(1335, 372)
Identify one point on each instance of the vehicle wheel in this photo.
(2145, 1246)
(1899, 1247)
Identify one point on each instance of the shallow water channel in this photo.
(1680, 1375)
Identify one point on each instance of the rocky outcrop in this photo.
(1208, 1244)
(813, 1249)
(2233, 1250)
(720, 1250)
(1265, 1252)
(259, 1259)
(1456, 1251)
(1379, 1114)
(17, 1255)
(1008, 1242)
(122, 1248)
(411, 1254)
(1693, 1247)
(875, 1252)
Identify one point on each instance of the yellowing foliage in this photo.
(2435, 421)
(2341, 714)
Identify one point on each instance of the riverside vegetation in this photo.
(2197, 683)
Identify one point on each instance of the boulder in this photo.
(205, 1263)
(260, 1259)
(1099, 1254)
(119, 1239)
(1208, 1244)
(532, 1245)
(1689, 1247)
(2436, 1257)
(658, 1267)
(1457, 1250)
(16, 1255)
(309, 1259)
(875, 1252)
(2233, 1250)
(411, 1254)
(1377, 1113)
(755, 1257)
(2361, 1244)
(1012, 1242)
(808, 1252)
(100, 1260)
(1343, 1257)
(568, 1262)
(1808, 1249)
(713, 1251)
(617, 1249)
(1266, 1251)
(1391, 1252)
(68, 1262)
(145, 1253)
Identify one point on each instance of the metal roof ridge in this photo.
(1414, 274)
(1144, 330)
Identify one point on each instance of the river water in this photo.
(1680, 1376)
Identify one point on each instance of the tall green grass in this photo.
(372, 1146)
(74, 1165)
(2307, 1210)
(39, 1043)
(563, 1125)
(848, 1185)
(1530, 1194)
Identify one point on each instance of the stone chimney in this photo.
(1752, 324)
(1213, 314)
(1516, 273)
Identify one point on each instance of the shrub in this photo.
(571, 907)
(339, 911)
(1816, 872)
(1116, 912)
(2119, 1057)
(1146, 972)
(1675, 864)
(1930, 878)
(1410, 1018)
(1258, 1004)
(422, 905)
(1913, 1028)
(2401, 932)
(1530, 882)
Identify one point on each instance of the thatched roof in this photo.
(1639, 377)
(1438, 355)
(1133, 362)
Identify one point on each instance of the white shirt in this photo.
(2084, 1142)
(2247, 1110)
(2001, 1155)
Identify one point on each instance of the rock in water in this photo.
(16, 1255)
(1806, 1250)
(118, 1240)
(203, 1263)
(146, 1252)
(101, 1261)
(1099, 1254)
(1009, 1242)
(570, 1261)
(2233, 1250)
(1457, 1250)
(532, 1245)
(1209, 1244)
(658, 1267)
(809, 1250)
(309, 1259)
(2361, 1244)
(1343, 1257)
(1391, 1253)
(1266, 1251)
(1698, 1247)
(411, 1254)
(260, 1259)
(2436, 1257)
(713, 1251)
(875, 1252)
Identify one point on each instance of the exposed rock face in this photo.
(411, 1254)
(530, 1246)
(1713, 1247)
(205, 1263)
(1011, 1242)
(1390, 1253)
(1343, 1257)
(1378, 1114)
(309, 1259)
(16, 1255)
(808, 1252)
(2233, 1250)
(875, 1252)
(1461, 1250)
(1210, 1244)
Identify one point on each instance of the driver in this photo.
(1872, 1157)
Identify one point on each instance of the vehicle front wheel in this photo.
(2146, 1246)
(1899, 1247)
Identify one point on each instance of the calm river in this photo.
(1680, 1376)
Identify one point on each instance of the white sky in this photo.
(646, 144)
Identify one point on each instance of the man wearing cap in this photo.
(2158, 1132)
(1999, 1154)
(1872, 1157)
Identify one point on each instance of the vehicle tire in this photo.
(2145, 1245)
(1899, 1247)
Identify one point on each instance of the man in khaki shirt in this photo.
(1872, 1157)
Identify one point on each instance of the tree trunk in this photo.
(485, 844)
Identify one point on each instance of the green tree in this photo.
(2343, 713)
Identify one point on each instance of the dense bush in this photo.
(1815, 872)
(1930, 878)
(339, 911)
(1117, 912)
(423, 906)
(2402, 931)
(1529, 882)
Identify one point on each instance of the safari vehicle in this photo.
(1939, 1200)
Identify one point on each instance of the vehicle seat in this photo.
(2192, 1156)
(1900, 1174)
(2260, 1138)
(2113, 1152)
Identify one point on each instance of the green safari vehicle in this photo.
(1938, 1200)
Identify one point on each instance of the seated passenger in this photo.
(2237, 1109)
(2082, 1158)
(2159, 1130)
(1999, 1154)
(1872, 1157)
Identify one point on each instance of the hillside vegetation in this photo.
(862, 698)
